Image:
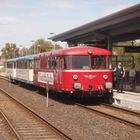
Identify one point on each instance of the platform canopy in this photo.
(120, 26)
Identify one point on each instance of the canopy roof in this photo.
(120, 26)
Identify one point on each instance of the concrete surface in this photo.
(129, 100)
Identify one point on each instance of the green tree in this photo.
(24, 51)
(57, 47)
(41, 45)
(10, 51)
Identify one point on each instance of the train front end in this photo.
(87, 72)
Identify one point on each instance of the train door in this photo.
(54, 61)
(60, 74)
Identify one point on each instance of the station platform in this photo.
(128, 100)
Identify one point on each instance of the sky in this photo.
(24, 20)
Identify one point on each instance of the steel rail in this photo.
(4, 77)
(10, 125)
(122, 109)
(111, 116)
(137, 126)
(60, 133)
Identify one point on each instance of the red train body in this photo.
(80, 70)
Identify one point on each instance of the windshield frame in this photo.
(106, 62)
(101, 62)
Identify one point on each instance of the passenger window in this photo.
(54, 63)
(9, 65)
(49, 63)
(37, 64)
(67, 62)
(31, 64)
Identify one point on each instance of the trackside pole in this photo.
(47, 91)
(9, 80)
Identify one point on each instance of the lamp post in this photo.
(38, 50)
(33, 45)
(21, 49)
(52, 33)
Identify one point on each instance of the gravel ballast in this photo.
(73, 121)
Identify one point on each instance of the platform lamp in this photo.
(33, 45)
(21, 49)
(52, 33)
(38, 50)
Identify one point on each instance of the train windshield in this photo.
(99, 62)
(80, 62)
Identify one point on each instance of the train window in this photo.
(9, 65)
(98, 62)
(49, 63)
(37, 64)
(67, 62)
(18, 65)
(30, 64)
(80, 62)
(24, 64)
(21, 64)
(54, 63)
(14, 64)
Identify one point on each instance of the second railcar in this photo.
(24, 69)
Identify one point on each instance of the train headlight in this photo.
(105, 77)
(89, 51)
(77, 85)
(75, 77)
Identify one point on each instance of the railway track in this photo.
(7, 130)
(27, 124)
(118, 114)
(122, 109)
(4, 78)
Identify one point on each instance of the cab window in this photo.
(80, 62)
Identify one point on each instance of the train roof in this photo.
(81, 50)
(12, 60)
(27, 57)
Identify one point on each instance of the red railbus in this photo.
(83, 71)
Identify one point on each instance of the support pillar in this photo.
(109, 43)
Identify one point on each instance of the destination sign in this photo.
(132, 49)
